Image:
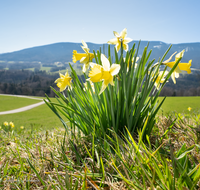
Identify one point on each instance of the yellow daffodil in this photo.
(105, 72)
(22, 127)
(180, 66)
(0, 127)
(12, 124)
(84, 58)
(160, 78)
(189, 108)
(120, 38)
(63, 81)
(5, 123)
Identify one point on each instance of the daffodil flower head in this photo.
(189, 108)
(160, 78)
(63, 81)
(5, 123)
(84, 58)
(180, 66)
(120, 39)
(12, 124)
(103, 73)
(22, 127)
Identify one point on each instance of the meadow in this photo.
(40, 117)
(43, 118)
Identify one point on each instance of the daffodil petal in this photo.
(61, 75)
(127, 40)
(83, 60)
(168, 60)
(114, 70)
(105, 62)
(178, 55)
(173, 77)
(116, 34)
(176, 74)
(58, 80)
(85, 67)
(84, 44)
(113, 41)
(118, 46)
(86, 50)
(125, 47)
(104, 85)
(123, 33)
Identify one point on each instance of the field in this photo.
(38, 118)
(180, 104)
(43, 118)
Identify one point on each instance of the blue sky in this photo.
(29, 23)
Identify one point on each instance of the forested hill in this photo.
(62, 52)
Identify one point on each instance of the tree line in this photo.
(37, 83)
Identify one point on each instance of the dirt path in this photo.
(23, 108)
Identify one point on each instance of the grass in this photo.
(180, 104)
(43, 118)
(46, 160)
(12, 102)
(40, 117)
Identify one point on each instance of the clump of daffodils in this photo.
(119, 93)
(8, 126)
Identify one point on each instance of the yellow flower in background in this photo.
(63, 81)
(0, 127)
(5, 123)
(120, 38)
(84, 58)
(104, 72)
(12, 124)
(189, 108)
(160, 78)
(180, 67)
(22, 127)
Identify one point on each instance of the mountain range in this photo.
(62, 52)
